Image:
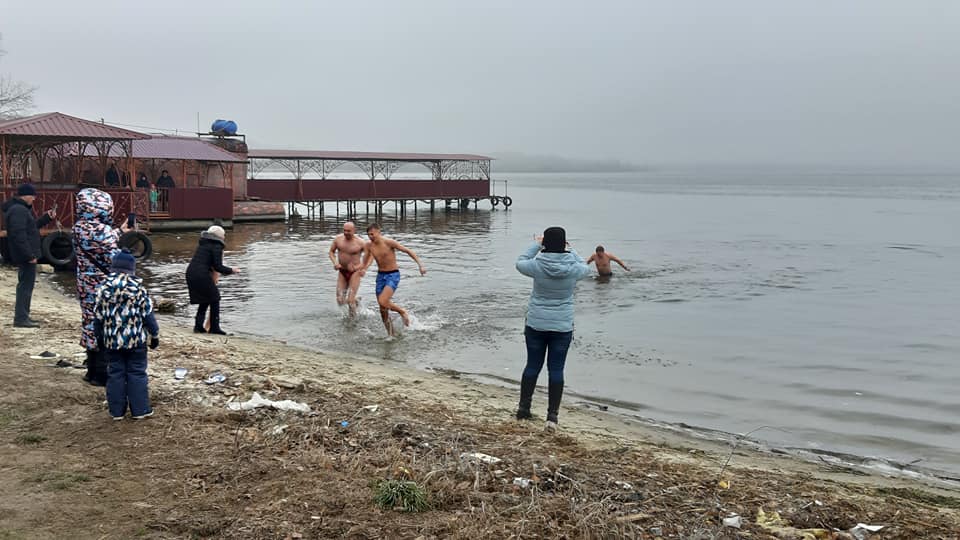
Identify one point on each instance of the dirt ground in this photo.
(199, 470)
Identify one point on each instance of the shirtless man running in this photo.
(383, 250)
(345, 254)
(603, 258)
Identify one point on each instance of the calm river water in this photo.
(824, 305)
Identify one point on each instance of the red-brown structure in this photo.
(306, 176)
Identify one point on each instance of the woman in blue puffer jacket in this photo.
(549, 326)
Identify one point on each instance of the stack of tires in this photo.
(57, 247)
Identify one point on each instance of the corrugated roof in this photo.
(57, 124)
(166, 147)
(190, 148)
(361, 156)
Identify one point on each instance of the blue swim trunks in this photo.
(387, 279)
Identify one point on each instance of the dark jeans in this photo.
(127, 382)
(553, 346)
(27, 275)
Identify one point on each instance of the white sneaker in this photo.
(551, 427)
(117, 418)
(142, 416)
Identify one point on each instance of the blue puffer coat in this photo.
(555, 277)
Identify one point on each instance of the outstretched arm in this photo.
(408, 251)
(617, 260)
(592, 258)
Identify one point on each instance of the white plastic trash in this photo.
(257, 401)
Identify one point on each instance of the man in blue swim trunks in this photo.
(384, 251)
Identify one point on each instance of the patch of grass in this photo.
(58, 480)
(7, 418)
(405, 496)
(10, 534)
(30, 438)
(918, 495)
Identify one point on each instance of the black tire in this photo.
(507, 201)
(57, 248)
(494, 201)
(138, 243)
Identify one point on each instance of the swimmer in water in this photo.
(384, 251)
(602, 259)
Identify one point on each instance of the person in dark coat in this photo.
(165, 181)
(23, 237)
(143, 181)
(113, 177)
(208, 258)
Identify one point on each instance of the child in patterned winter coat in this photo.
(123, 315)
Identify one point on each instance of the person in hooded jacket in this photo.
(200, 279)
(95, 244)
(549, 324)
(123, 316)
(23, 237)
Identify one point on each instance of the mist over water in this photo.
(824, 305)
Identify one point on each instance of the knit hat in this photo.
(26, 189)
(124, 262)
(217, 232)
(554, 240)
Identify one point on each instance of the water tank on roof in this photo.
(224, 127)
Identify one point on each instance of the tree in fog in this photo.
(16, 97)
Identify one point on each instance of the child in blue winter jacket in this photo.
(123, 316)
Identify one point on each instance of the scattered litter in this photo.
(656, 531)
(45, 355)
(215, 378)
(780, 527)
(523, 483)
(344, 424)
(625, 485)
(278, 430)
(80, 355)
(371, 408)
(180, 373)
(723, 484)
(860, 531)
(733, 520)
(257, 401)
(483, 458)
(62, 364)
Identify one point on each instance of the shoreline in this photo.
(466, 406)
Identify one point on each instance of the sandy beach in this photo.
(199, 469)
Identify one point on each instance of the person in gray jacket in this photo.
(549, 325)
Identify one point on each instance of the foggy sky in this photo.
(814, 81)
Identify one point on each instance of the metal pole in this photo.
(3, 160)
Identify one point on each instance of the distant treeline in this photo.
(516, 162)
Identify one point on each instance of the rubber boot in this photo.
(96, 368)
(527, 386)
(215, 320)
(554, 395)
(198, 320)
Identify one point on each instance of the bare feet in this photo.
(405, 317)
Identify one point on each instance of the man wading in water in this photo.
(345, 254)
(602, 259)
(388, 277)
